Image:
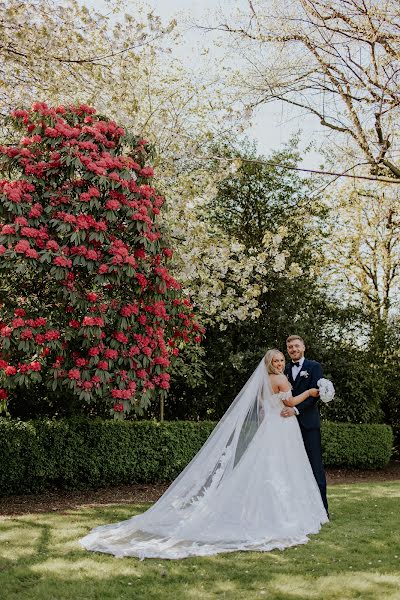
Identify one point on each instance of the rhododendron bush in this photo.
(93, 311)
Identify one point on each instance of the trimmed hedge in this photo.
(83, 453)
(355, 446)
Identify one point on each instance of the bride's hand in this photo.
(314, 392)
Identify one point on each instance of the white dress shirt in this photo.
(295, 371)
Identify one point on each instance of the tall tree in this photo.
(336, 59)
(364, 249)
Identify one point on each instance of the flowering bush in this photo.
(88, 305)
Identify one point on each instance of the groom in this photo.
(303, 374)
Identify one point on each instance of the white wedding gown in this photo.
(250, 487)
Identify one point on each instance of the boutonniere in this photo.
(304, 374)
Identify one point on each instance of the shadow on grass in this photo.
(355, 556)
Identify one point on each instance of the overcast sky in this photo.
(273, 125)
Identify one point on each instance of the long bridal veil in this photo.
(212, 506)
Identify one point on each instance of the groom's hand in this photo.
(287, 412)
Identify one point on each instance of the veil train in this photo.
(219, 503)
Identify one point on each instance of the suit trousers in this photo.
(312, 444)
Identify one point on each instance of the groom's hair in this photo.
(291, 338)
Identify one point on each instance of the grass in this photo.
(357, 555)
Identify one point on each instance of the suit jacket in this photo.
(308, 416)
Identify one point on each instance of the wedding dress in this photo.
(250, 487)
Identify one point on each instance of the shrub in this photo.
(366, 446)
(83, 453)
(88, 306)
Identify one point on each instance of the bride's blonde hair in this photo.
(269, 356)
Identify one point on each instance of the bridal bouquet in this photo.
(326, 390)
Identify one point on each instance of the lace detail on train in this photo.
(250, 487)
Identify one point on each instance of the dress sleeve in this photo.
(285, 395)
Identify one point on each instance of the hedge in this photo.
(356, 446)
(83, 453)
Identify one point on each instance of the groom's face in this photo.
(296, 350)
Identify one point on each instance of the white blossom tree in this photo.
(364, 249)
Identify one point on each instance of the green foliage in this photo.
(83, 453)
(365, 446)
(360, 384)
(80, 453)
(262, 199)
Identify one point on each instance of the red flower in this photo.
(103, 365)
(112, 205)
(52, 245)
(146, 172)
(35, 211)
(22, 246)
(3, 394)
(74, 374)
(10, 370)
(92, 297)
(52, 334)
(40, 322)
(87, 385)
(26, 334)
(61, 261)
(111, 353)
(120, 337)
(117, 407)
(21, 221)
(35, 366)
(19, 312)
(18, 322)
(161, 360)
(31, 253)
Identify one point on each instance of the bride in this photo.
(250, 487)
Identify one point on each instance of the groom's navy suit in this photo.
(308, 418)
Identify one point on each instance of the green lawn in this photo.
(357, 555)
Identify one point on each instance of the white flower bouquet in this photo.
(326, 390)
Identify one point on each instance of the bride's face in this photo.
(278, 362)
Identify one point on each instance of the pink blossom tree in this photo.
(88, 306)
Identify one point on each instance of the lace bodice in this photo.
(277, 399)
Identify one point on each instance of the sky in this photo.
(273, 124)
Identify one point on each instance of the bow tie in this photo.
(295, 364)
